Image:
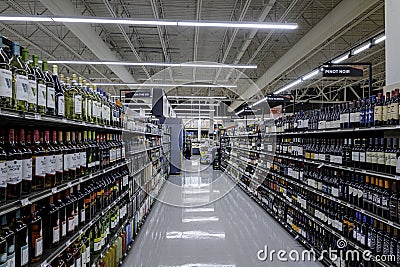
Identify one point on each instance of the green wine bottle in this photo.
(5, 78)
(73, 100)
(50, 91)
(84, 99)
(32, 90)
(20, 82)
(41, 87)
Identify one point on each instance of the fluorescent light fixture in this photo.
(195, 104)
(239, 112)
(310, 75)
(258, 102)
(296, 82)
(341, 59)
(195, 97)
(380, 39)
(160, 64)
(242, 25)
(26, 18)
(361, 49)
(187, 109)
(166, 85)
(153, 22)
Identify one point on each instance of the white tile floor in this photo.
(205, 224)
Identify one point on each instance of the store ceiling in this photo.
(177, 44)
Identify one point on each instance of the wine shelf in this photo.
(36, 196)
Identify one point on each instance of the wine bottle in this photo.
(21, 239)
(3, 170)
(26, 162)
(34, 223)
(51, 225)
(62, 215)
(386, 109)
(38, 162)
(5, 78)
(59, 158)
(394, 107)
(20, 82)
(9, 235)
(32, 89)
(59, 93)
(71, 159)
(14, 164)
(50, 91)
(378, 110)
(73, 101)
(41, 87)
(50, 176)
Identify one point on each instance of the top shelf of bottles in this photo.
(12, 116)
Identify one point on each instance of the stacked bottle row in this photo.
(32, 160)
(376, 154)
(45, 224)
(365, 231)
(377, 110)
(27, 87)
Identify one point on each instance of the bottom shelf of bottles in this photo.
(309, 231)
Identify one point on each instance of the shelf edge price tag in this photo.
(38, 117)
(25, 202)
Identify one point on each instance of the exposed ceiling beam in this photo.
(88, 36)
(126, 37)
(343, 14)
(196, 37)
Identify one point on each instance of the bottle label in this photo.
(3, 174)
(355, 156)
(24, 255)
(381, 158)
(67, 159)
(40, 166)
(78, 104)
(374, 157)
(76, 220)
(56, 234)
(14, 171)
(32, 92)
(89, 108)
(83, 159)
(387, 159)
(63, 228)
(384, 202)
(41, 95)
(354, 117)
(378, 113)
(96, 109)
(385, 113)
(97, 244)
(22, 86)
(369, 157)
(78, 160)
(27, 169)
(59, 163)
(71, 224)
(393, 159)
(11, 260)
(5, 83)
(88, 254)
(362, 117)
(395, 111)
(51, 97)
(83, 216)
(362, 157)
(60, 106)
(38, 247)
(51, 165)
(72, 161)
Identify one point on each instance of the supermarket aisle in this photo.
(225, 233)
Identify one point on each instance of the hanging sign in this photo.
(342, 71)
